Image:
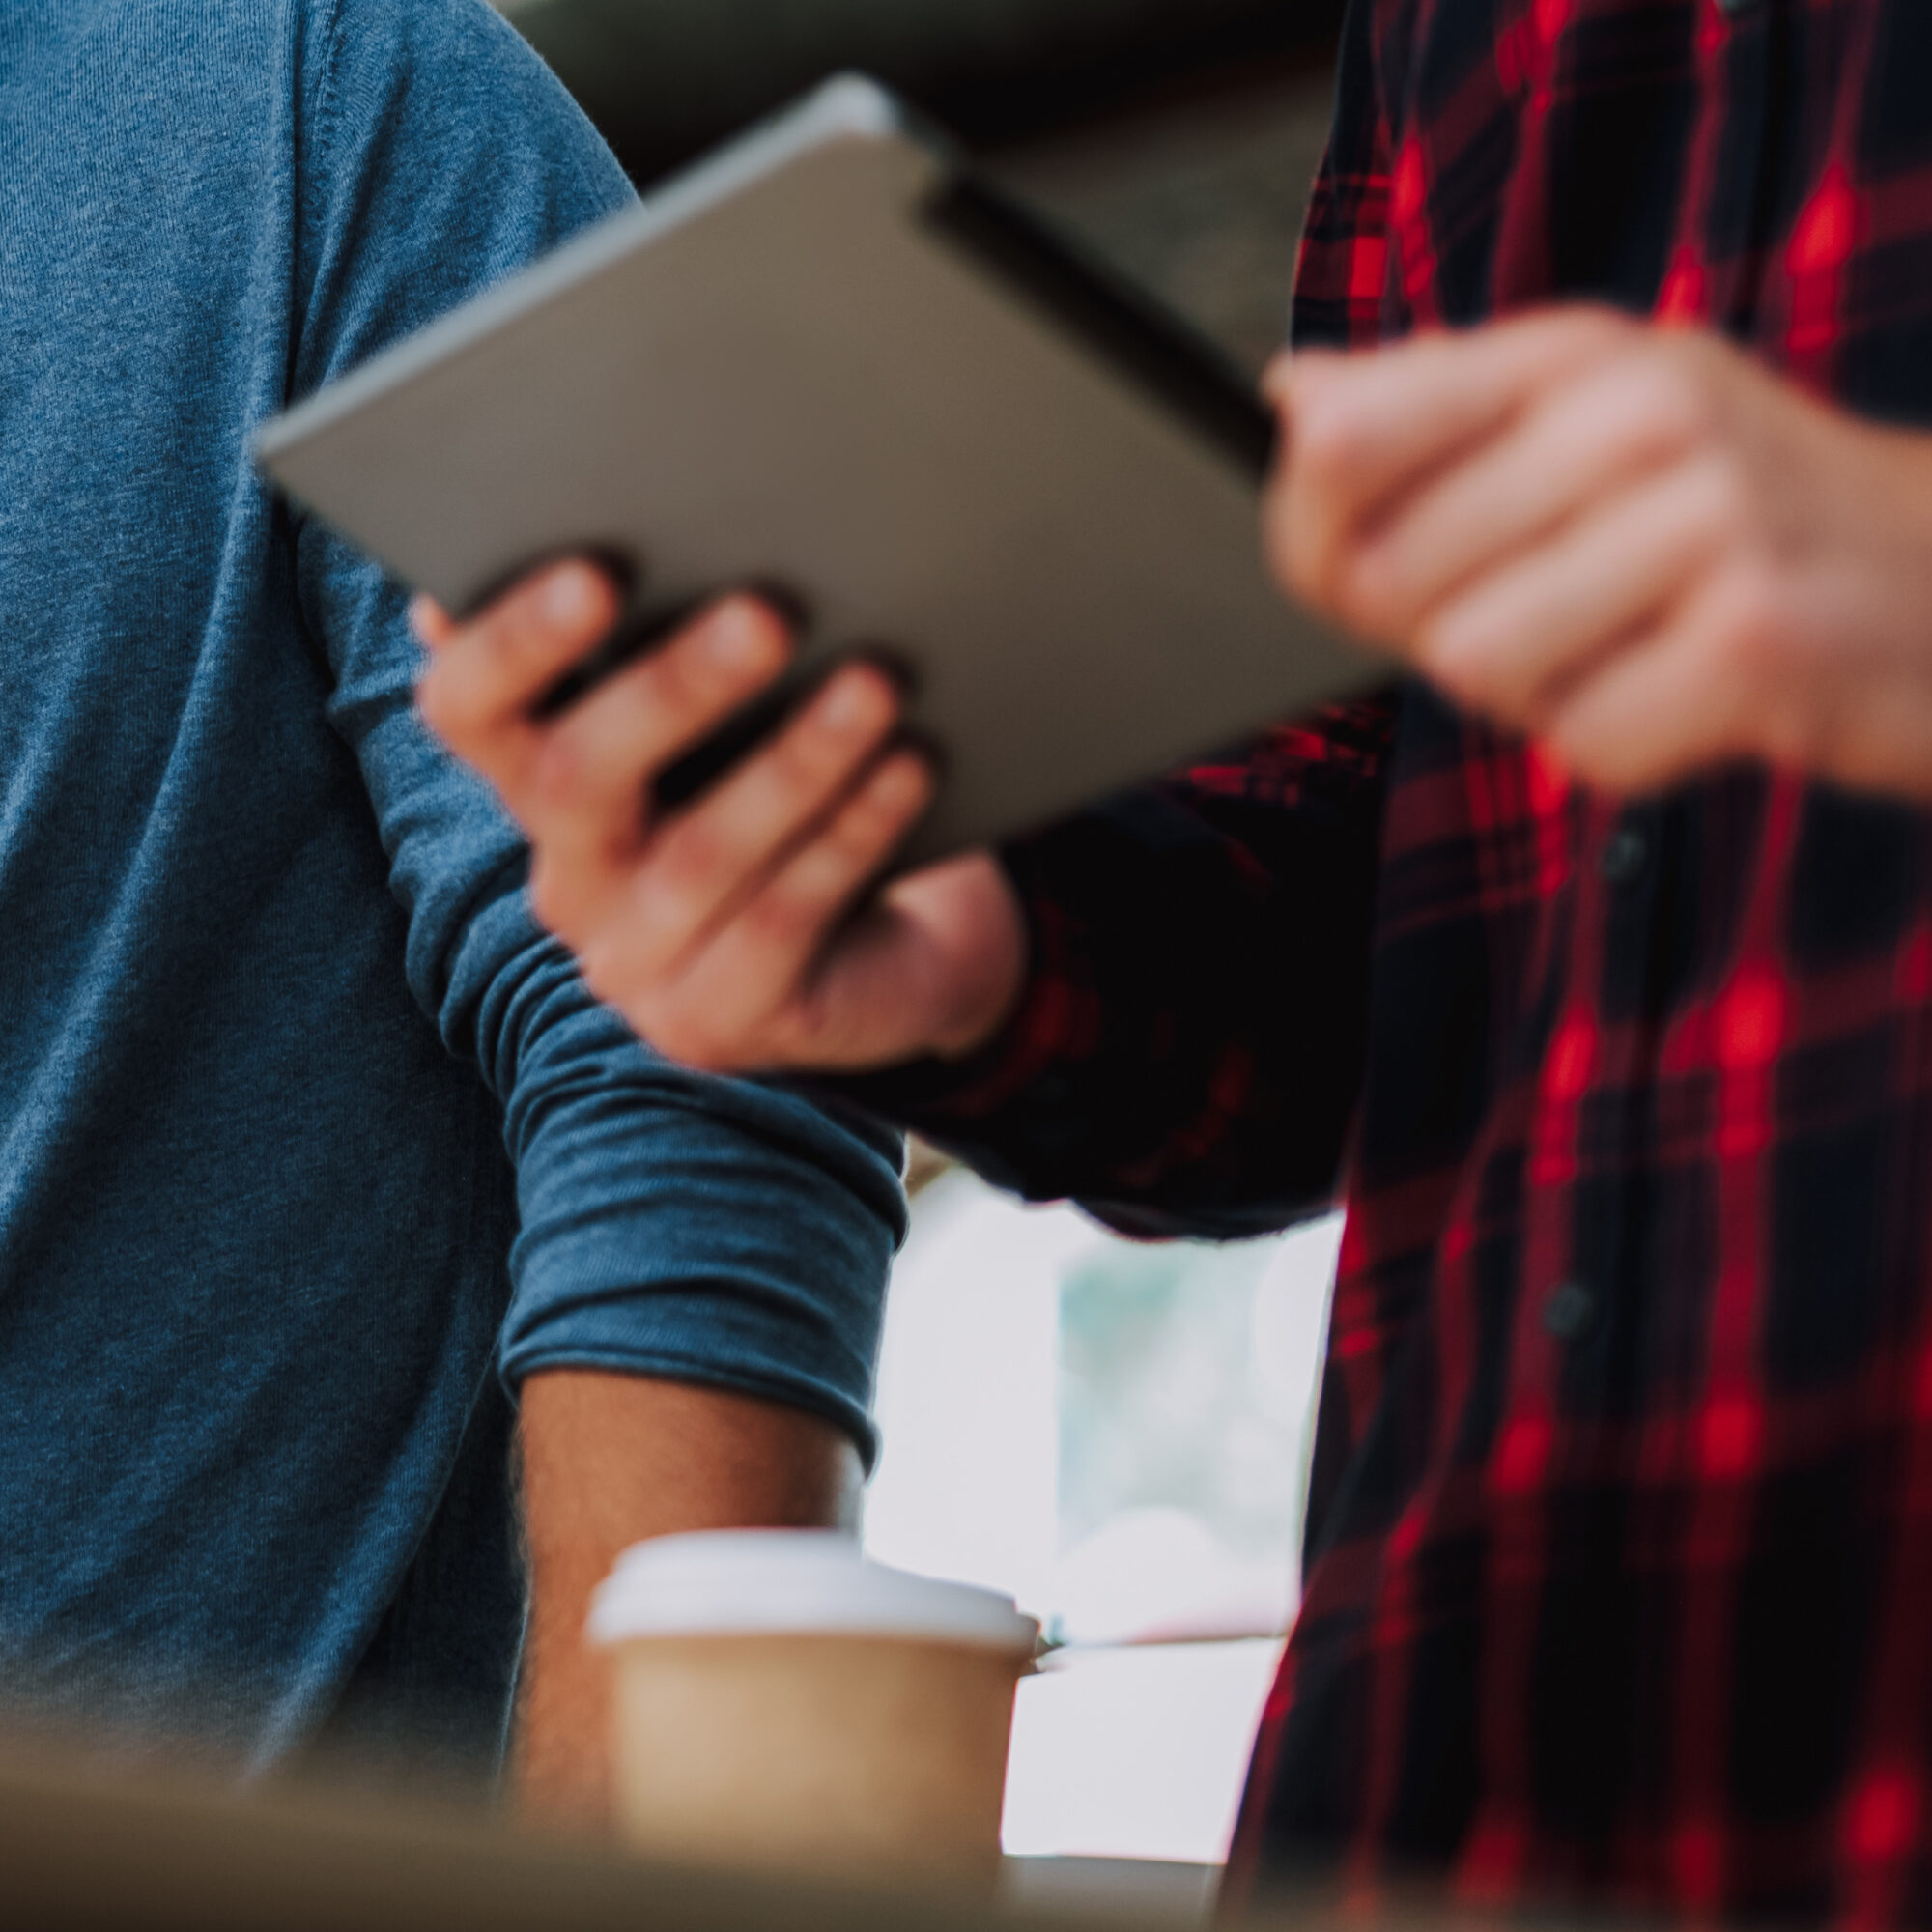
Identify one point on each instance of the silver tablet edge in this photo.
(848, 107)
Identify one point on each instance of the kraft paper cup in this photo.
(783, 1702)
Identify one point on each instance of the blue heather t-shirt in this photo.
(301, 1121)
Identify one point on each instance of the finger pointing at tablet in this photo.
(724, 930)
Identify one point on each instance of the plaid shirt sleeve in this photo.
(1186, 1056)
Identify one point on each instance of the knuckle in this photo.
(690, 852)
(1659, 402)
(782, 915)
(556, 771)
(687, 878)
(669, 905)
(1725, 499)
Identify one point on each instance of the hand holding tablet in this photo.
(1005, 509)
(832, 362)
(720, 929)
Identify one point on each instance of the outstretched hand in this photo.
(1631, 543)
(738, 933)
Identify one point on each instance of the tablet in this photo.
(833, 363)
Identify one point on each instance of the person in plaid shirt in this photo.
(1593, 964)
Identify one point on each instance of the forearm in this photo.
(607, 1462)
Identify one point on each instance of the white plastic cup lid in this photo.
(796, 1581)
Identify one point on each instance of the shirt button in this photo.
(1626, 853)
(1569, 1311)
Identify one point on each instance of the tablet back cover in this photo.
(782, 369)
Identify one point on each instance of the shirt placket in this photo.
(1595, 1086)
(1629, 857)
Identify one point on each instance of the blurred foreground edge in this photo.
(80, 1849)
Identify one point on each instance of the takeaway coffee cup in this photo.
(782, 1701)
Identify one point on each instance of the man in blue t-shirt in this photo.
(305, 1128)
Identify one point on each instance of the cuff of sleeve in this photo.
(1057, 1021)
(538, 1354)
(735, 1238)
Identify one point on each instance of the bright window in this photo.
(1118, 1436)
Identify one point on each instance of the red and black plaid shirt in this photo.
(1619, 1568)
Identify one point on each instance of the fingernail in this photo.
(902, 784)
(735, 639)
(569, 597)
(852, 704)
